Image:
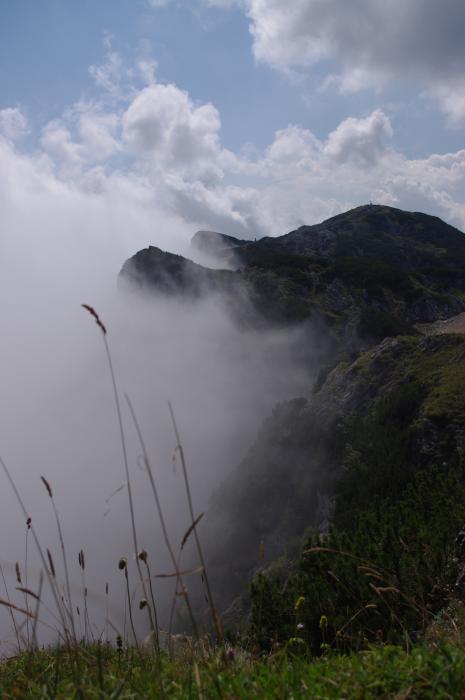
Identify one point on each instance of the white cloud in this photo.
(360, 140)
(155, 152)
(451, 97)
(98, 133)
(13, 123)
(366, 43)
(147, 69)
(295, 147)
(163, 127)
(111, 75)
(57, 142)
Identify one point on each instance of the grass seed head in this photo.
(47, 486)
(82, 562)
(143, 556)
(95, 315)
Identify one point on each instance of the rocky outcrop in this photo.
(154, 270)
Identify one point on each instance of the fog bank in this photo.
(57, 412)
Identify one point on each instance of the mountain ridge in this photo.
(371, 272)
(385, 415)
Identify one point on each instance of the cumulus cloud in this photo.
(366, 43)
(172, 153)
(293, 147)
(97, 131)
(58, 143)
(13, 123)
(112, 76)
(361, 140)
(163, 125)
(162, 152)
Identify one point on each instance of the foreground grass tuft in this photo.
(98, 672)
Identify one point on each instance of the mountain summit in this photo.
(371, 272)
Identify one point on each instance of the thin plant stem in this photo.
(28, 592)
(82, 566)
(171, 620)
(28, 525)
(36, 611)
(182, 588)
(52, 582)
(12, 615)
(131, 620)
(143, 557)
(179, 447)
(94, 314)
(87, 625)
(63, 553)
(106, 612)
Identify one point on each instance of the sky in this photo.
(250, 117)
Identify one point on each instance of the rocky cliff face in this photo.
(397, 409)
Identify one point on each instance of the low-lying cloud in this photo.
(62, 246)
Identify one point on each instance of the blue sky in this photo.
(252, 116)
(46, 49)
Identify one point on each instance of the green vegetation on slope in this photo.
(389, 562)
(382, 580)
